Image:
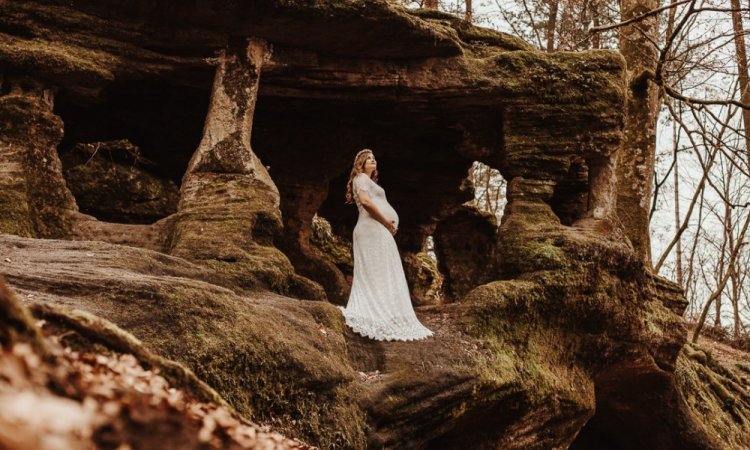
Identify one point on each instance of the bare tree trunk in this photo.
(431, 4)
(468, 16)
(736, 302)
(726, 241)
(636, 157)
(739, 43)
(487, 189)
(729, 229)
(596, 39)
(497, 198)
(692, 280)
(723, 281)
(552, 25)
(678, 248)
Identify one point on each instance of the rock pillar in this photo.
(228, 213)
(34, 200)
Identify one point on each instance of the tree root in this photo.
(17, 324)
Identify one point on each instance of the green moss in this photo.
(283, 381)
(530, 255)
(254, 266)
(56, 59)
(743, 366)
(489, 301)
(588, 79)
(15, 217)
(32, 132)
(112, 191)
(329, 246)
(233, 234)
(471, 34)
(93, 333)
(268, 358)
(715, 404)
(545, 255)
(16, 123)
(523, 353)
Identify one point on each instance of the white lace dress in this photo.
(379, 305)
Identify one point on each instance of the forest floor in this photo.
(84, 400)
(731, 357)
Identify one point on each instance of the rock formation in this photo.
(555, 335)
(465, 243)
(111, 181)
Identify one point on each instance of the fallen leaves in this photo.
(87, 400)
(32, 417)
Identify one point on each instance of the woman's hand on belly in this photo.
(392, 227)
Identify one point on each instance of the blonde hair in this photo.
(357, 168)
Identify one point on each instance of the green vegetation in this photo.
(234, 237)
(14, 213)
(715, 404)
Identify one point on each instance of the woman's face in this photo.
(370, 164)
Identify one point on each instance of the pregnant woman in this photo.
(379, 305)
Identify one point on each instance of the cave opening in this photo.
(419, 164)
(585, 191)
(596, 434)
(465, 239)
(125, 151)
(490, 189)
(124, 156)
(570, 201)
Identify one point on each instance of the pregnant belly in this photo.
(388, 212)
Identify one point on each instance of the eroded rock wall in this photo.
(34, 200)
(557, 336)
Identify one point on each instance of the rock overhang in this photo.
(457, 94)
(83, 42)
(331, 81)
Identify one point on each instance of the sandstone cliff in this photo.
(551, 333)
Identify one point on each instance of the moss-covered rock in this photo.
(233, 237)
(33, 196)
(85, 331)
(713, 402)
(575, 344)
(424, 279)
(277, 360)
(331, 246)
(15, 218)
(110, 181)
(56, 60)
(229, 206)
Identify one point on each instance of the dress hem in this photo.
(417, 333)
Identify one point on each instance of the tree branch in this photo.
(639, 18)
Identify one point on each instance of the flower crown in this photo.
(367, 150)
